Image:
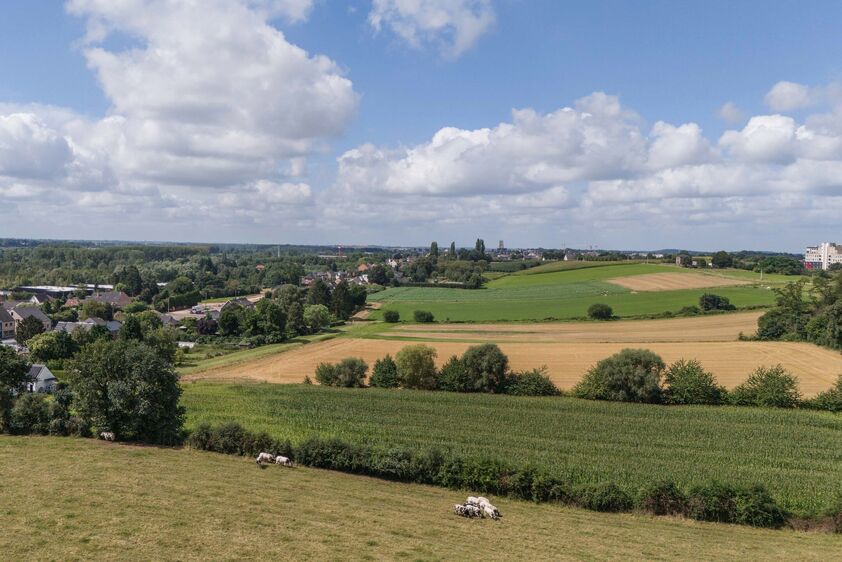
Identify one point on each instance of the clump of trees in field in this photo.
(806, 313)
(483, 368)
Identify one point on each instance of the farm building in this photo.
(41, 379)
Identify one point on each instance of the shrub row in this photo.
(713, 501)
(639, 375)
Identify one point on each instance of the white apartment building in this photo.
(823, 256)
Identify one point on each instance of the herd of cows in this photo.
(476, 507)
(272, 459)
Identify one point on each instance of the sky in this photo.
(622, 125)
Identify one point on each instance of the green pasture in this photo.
(80, 499)
(796, 454)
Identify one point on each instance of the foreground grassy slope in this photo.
(797, 454)
(72, 499)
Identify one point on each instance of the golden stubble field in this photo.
(674, 281)
(572, 349)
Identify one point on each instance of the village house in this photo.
(117, 299)
(40, 299)
(21, 313)
(41, 379)
(7, 325)
(241, 302)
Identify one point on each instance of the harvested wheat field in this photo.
(724, 327)
(674, 281)
(730, 362)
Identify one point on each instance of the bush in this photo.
(30, 414)
(485, 367)
(391, 316)
(830, 399)
(600, 311)
(690, 311)
(233, 439)
(688, 383)
(606, 497)
(709, 301)
(772, 325)
(722, 503)
(767, 386)
(326, 374)
(632, 375)
(385, 373)
(834, 513)
(422, 316)
(417, 367)
(454, 377)
(663, 498)
(348, 373)
(532, 383)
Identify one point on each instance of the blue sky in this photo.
(674, 62)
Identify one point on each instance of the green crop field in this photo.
(797, 454)
(79, 499)
(562, 294)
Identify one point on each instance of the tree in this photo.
(826, 327)
(452, 254)
(52, 346)
(486, 368)
(422, 316)
(772, 387)
(391, 316)
(28, 328)
(230, 321)
(318, 293)
(632, 375)
(130, 278)
(126, 387)
(600, 311)
(454, 377)
(377, 275)
(385, 373)
(164, 341)
(317, 317)
(342, 303)
(206, 326)
(532, 383)
(348, 373)
(709, 301)
(479, 247)
(132, 329)
(96, 309)
(722, 259)
(434, 249)
(14, 374)
(688, 383)
(417, 367)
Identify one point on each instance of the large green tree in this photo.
(28, 328)
(127, 387)
(14, 374)
(52, 346)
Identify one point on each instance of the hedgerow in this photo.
(713, 501)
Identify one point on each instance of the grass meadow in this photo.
(562, 291)
(79, 499)
(796, 454)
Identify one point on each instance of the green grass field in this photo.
(79, 499)
(797, 454)
(561, 294)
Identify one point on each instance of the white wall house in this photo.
(41, 379)
(822, 256)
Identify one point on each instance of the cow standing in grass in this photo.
(265, 458)
(282, 460)
(107, 436)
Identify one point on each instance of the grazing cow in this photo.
(108, 436)
(482, 501)
(472, 501)
(283, 460)
(265, 457)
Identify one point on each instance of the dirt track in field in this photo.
(724, 327)
(674, 281)
(730, 362)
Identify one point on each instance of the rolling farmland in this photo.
(797, 454)
(76, 499)
(566, 293)
(567, 349)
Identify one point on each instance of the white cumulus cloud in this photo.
(454, 26)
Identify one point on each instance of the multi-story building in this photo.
(823, 256)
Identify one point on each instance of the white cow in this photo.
(467, 510)
(490, 511)
(472, 501)
(108, 436)
(282, 460)
(265, 457)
